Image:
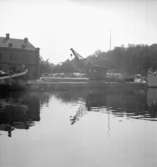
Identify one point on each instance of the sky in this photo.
(55, 26)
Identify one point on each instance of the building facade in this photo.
(16, 54)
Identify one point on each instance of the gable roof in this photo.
(16, 43)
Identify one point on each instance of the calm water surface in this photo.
(79, 128)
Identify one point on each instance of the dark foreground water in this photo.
(79, 128)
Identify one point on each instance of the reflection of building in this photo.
(17, 53)
(152, 96)
(33, 104)
(152, 102)
(19, 113)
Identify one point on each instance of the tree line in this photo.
(134, 59)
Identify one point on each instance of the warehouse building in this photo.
(16, 54)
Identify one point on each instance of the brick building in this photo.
(17, 53)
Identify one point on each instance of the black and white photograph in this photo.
(78, 83)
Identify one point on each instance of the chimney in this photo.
(25, 40)
(7, 36)
(24, 45)
(38, 50)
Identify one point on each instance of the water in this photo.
(79, 128)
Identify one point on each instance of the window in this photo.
(0, 56)
(11, 57)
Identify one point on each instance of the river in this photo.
(79, 128)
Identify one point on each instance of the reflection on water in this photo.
(123, 103)
(68, 128)
(135, 103)
(81, 111)
(18, 111)
(22, 110)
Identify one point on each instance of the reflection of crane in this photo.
(93, 71)
(79, 114)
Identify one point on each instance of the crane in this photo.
(76, 54)
(93, 71)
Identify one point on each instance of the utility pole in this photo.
(110, 42)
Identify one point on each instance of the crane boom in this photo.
(76, 54)
(92, 70)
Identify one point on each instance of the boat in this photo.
(12, 81)
(4, 75)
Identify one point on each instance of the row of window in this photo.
(14, 57)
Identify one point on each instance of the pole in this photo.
(110, 41)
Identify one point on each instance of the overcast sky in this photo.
(57, 25)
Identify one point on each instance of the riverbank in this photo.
(81, 83)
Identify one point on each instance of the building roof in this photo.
(7, 42)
